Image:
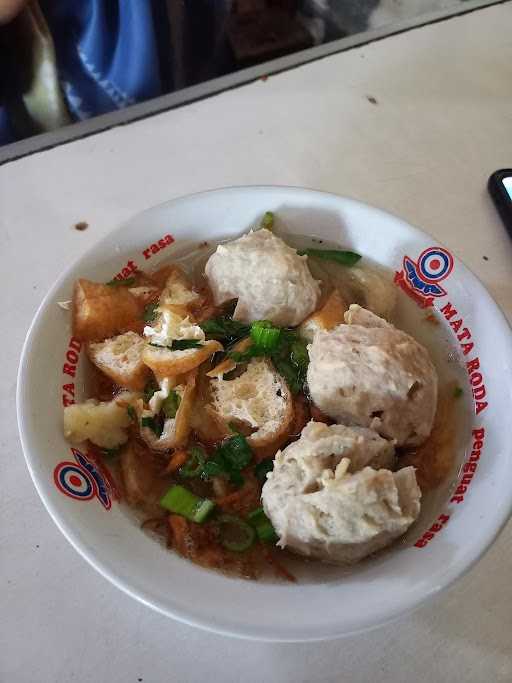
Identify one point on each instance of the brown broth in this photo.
(435, 460)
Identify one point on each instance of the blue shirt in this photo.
(107, 55)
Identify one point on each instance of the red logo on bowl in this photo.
(85, 479)
(420, 279)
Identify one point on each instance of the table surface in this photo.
(440, 124)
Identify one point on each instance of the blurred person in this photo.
(68, 60)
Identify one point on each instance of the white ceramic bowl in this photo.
(326, 602)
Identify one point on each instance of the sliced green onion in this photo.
(213, 468)
(345, 258)
(257, 516)
(264, 335)
(154, 423)
(262, 525)
(126, 282)
(195, 464)
(171, 404)
(267, 221)
(228, 459)
(236, 535)
(181, 501)
(262, 468)
(266, 533)
(265, 338)
(150, 312)
(132, 413)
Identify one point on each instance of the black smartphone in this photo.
(500, 189)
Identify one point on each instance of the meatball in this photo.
(325, 502)
(368, 373)
(269, 279)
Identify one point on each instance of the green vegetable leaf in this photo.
(195, 464)
(345, 258)
(156, 424)
(236, 452)
(457, 392)
(224, 329)
(183, 344)
(262, 468)
(291, 360)
(267, 221)
(299, 353)
(179, 345)
(244, 356)
(149, 314)
(126, 282)
(289, 372)
(236, 478)
(213, 468)
(262, 525)
(132, 413)
(171, 404)
(149, 390)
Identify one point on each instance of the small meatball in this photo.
(269, 279)
(321, 505)
(323, 446)
(368, 373)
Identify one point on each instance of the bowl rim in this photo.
(501, 515)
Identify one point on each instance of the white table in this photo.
(441, 125)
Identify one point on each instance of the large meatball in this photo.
(325, 502)
(269, 279)
(368, 373)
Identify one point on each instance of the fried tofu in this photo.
(120, 358)
(176, 430)
(229, 364)
(167, 363)
(101, 311)
(259, 398)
